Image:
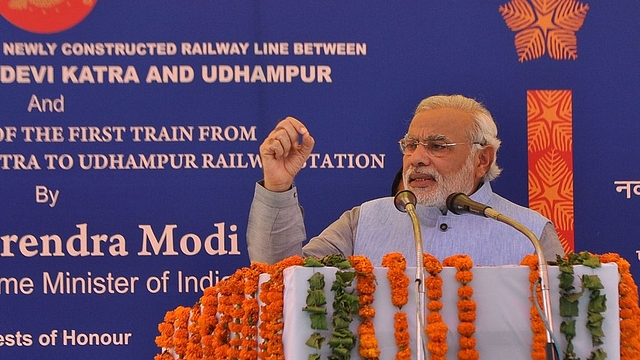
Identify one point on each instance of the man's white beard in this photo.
(462, 181)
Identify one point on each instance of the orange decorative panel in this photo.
(550, 147)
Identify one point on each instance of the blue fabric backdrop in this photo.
(404, 53)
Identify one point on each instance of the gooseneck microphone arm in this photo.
(405, 201)
(459, 203)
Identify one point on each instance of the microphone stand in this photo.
(405, 201)
(551, 352)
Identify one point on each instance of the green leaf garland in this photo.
(569, 299)
(316, 301)
(345, 306)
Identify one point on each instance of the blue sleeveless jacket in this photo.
(383, 229)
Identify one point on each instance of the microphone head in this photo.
(404, 198)
(458, 203)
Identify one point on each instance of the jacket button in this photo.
(444, 227)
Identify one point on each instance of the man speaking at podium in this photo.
(451, 147)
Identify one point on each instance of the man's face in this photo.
(432, 175)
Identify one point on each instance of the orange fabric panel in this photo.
(550, 148)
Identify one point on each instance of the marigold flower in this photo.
(609, 257)
(164, 356)
(394, 260)
(463, 263)
(404, 354)
(465, 304)
(434, 305)
(437, 349)
(400, 300)
(468, 354)
(465, 291)
(626, 313)
(366, 294)
(468, 316)
(434, 317)
(466, 329)
(464, 276)
(623, 266)
(431, 264)
(437, 332)
(165, 329)
(627, 302)
(467, 342)
(433, 282)
(367, 312)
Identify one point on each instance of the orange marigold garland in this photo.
(165, 339)
(629, 310)
(539, 342)
(269, 316)
(399, 283)
(251, 308)
(272, 297)
(181, 333)
(436, 328)
(194, 346)
(208, 321)
(466, 306)
(237, 311)
(366, 287)
(221, 333)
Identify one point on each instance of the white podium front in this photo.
(503, 327)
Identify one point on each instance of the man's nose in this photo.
(420, 156)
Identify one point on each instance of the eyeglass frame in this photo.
(427, 142)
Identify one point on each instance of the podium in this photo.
(503, 325)
(231, 321)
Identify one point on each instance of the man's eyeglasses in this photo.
(436, 148)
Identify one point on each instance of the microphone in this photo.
(404, 198)
(405, 201)
(459, 203)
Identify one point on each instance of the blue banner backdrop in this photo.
(129, 141)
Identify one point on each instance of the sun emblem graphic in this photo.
(545, 26)
(45, 16)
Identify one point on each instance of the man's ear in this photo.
(483, 160)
